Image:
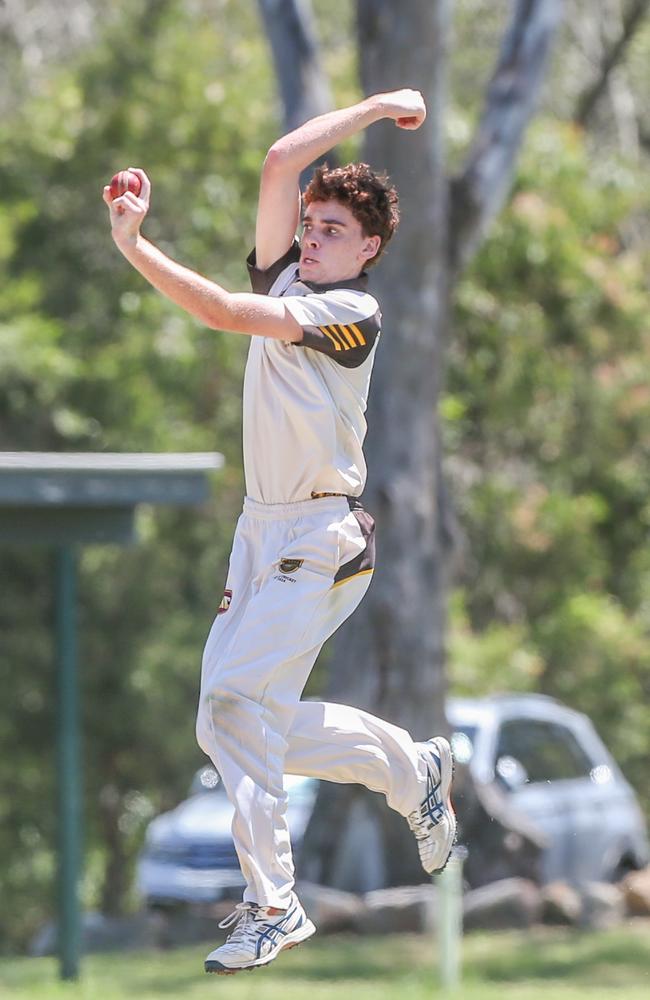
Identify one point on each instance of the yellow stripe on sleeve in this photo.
(327, 333)
(341, 340)
(348, 336)
(358, 334)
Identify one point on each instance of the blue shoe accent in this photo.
(258, 936)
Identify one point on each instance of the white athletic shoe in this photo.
(434, 822)
(259, 936)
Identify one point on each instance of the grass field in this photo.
(556, 964)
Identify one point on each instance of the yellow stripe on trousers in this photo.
(362, 572)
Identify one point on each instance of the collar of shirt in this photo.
(359, 284)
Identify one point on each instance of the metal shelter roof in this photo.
(55, 497)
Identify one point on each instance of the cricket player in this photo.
(303, 551)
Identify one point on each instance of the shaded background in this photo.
(544, 409)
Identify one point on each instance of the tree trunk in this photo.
(304, 88)
(116, 875)
(396, 635)
(396, 638)
(481, 188)
(633, 18)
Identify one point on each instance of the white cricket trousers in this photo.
(297, 571)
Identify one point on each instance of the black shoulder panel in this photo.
(262, 281)
(349, 344)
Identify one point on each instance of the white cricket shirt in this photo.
(304, 404)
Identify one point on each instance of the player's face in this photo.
(333, 247)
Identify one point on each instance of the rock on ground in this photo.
(510, 902)
(636, 890)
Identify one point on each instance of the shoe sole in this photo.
(446, 777)
(302, 933)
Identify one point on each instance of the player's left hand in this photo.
(127, 213)
(406, 107)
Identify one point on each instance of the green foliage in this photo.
(92, 359)
(547, 419)
(546, 414)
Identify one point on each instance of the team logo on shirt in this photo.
(225, 602)
(290, 565)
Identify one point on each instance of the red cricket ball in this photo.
(125, 181)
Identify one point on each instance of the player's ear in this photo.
(370, 247)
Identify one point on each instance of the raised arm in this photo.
(243, 312)
(278, 210)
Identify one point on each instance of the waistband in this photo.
(300, 508)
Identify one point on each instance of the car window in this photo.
(547, 750)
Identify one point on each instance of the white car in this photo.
(547, 757)
(557, 772)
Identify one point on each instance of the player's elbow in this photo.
(235, 313)
(219, 313)
(214, 319)
(278, 158)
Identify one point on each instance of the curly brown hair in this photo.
(371, 198)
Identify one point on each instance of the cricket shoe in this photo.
(434, 821)
(260, 934)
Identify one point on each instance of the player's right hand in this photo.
(406, 107)
(127, 213)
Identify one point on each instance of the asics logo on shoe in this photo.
(433, 822)
(432, 806)
(273, 933)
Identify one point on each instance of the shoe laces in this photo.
(417, 824)
(243, 916)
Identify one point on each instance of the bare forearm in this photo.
(301, 147)
(207, 301)
(202, 298)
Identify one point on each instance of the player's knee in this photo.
(222, 709)
(211, 718)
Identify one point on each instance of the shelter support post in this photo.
(69, 763)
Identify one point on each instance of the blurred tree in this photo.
(631, 18)
(90, 359)
(596, 35)
(546, 417)
(289, 25)
(33, 36)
